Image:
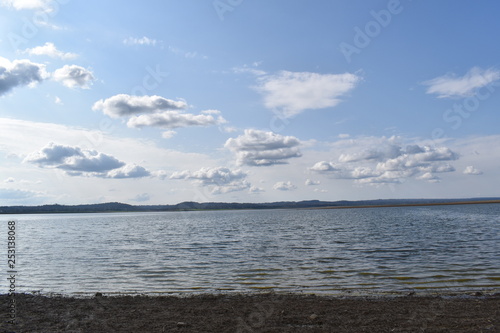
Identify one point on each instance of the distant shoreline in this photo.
(415, 204)
(117, 207)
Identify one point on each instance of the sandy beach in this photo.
(270, 312)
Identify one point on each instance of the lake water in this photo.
(363, 251)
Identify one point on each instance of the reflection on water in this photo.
(331, 251)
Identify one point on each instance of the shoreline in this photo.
(224, 206)
(256, 312)
(454, 203)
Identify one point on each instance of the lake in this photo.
(338, 251)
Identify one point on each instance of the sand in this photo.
(269, 312)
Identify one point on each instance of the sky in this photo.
(160, 102)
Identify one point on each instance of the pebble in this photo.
(313, 316)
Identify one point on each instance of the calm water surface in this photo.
(322, 251)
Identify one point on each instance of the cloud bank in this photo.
(388, 161)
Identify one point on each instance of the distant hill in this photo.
(190, 205)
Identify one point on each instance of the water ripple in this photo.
(383, 249)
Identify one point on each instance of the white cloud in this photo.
(80, 162)
(168, 134)
(324, 166)
(155, 111)
(470, 170)
(220, 179)
(174, 119)
(284, 186)
(49, 49)
(255, 189)
(9, 180)
(140, 41)
(260, 148)
(74, 76)
(291, 93)
(44, 5)
(450, 85)
(388, 151)
(310, 182)
(20, 73)
(430, 177)
(128, 171)
(58, 101)
(126, 105)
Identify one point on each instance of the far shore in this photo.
(414, 204)
(117, 207)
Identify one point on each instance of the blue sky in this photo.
(160, 102)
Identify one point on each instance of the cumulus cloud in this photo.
(49, 49)
(128, 171)
(9, 180)
(174, 119)
(470, 170)
(284, 186)
(20, 73)
(155, 111)
(450, 85)
(310, 182)
(255, 189)
(388, 161)
(324, 166)
(261, 148)
(140, 41)
(79, 162)
(429, 177)
(388, 151)
(220, 179)
(73, 76)
(123, 105)
(291, 93)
